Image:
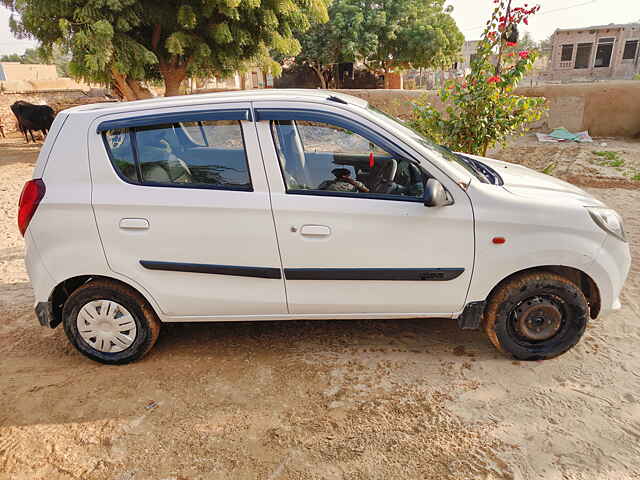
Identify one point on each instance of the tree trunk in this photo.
(173, 77)
(128, 88)
(138, 89)
(320, 75)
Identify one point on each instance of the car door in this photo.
(354, 234)
(182, 208)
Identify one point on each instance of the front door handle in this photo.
(134, 224)
(315, 231)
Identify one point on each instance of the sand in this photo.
(315, 400)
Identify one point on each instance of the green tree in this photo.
(385, 35)
(129, 41)
(327, 44)
(398, 34)
(11, 57)
(30, 55)
(482, 110)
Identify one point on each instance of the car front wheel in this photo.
(109, 322)
(536, 316)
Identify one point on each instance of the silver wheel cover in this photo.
(106, 326)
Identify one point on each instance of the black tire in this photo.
(536, 316)
(146, 320)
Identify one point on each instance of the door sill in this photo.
(315, 316)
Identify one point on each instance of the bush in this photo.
(481, 110)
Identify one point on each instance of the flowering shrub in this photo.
(482, 110)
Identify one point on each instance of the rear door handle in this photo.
(315, 231)
(134, 224)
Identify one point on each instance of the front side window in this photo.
(197, 154)
(321, 157)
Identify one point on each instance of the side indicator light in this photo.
(498, 240)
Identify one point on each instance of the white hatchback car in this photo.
(275, 205)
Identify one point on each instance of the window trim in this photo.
(312, 115)
(175, 117)
(196, 186)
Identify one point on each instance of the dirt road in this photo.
(313, 400)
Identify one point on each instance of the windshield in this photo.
(434, 148)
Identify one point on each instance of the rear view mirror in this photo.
(435, 194)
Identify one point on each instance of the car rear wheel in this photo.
(536, 316)
(109, 322)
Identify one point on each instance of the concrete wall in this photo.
(605, 109)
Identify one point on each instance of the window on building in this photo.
(603, 52)
(583, 55)
(567, 53)
(630, 50)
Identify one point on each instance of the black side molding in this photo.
(400, 274)
(239, 271)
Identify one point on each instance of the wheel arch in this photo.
(64, 289)
(586, 284)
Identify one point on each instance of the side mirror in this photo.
(435, 195)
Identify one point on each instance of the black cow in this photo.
(33, 117)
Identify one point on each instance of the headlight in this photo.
(608, 220)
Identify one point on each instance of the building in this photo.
(15, 71)
(606, 52)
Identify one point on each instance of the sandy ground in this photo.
(316, 400)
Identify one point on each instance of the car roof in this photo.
(289, 94)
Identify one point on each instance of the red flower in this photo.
(511, 44)
(524, 54)
(494, 79)
(526, 21)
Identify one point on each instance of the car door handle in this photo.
(315, 231)
(134, 224)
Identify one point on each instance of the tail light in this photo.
(32, 193)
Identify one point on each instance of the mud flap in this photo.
(45, 315)
(471, 317)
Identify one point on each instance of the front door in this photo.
(182, 207)
(354, 234)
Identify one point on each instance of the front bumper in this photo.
(609, 270)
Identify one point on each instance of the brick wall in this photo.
(56, 99)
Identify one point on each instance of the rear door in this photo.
(182, 207)
(354, 235)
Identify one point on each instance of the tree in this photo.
(384, 35)
(397, 34)
(327, 44)
(129, 41)
(30, 55)
(482, 110)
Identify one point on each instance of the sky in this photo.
(470, 16)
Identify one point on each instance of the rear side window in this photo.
(207, 154)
